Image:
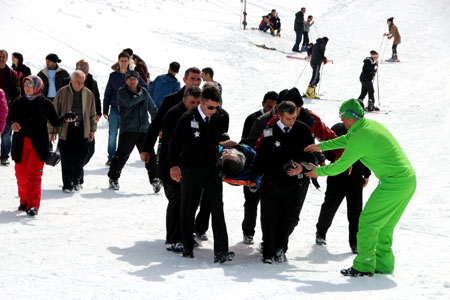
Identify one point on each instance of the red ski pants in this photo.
(29, 176)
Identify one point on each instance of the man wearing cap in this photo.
(372, 144)
(53, 76)
(134, 105)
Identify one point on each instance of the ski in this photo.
(379, 112)
(263, 46)
(321, 99)
(297, 57)
(390, 61)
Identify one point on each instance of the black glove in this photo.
(70, 115)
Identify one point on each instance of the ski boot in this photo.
(311, 92)
(371, 106)
(355, 273)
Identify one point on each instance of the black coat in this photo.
(157, 124)
(299, 19)
(197, 147)
(91, 84)
(318, 52)
(32, 115)
(248, 125)
(278, 148)
(22, 72)
(369, 69)
(258, 126)
(61, 78)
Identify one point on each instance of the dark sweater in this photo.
(248, 125)
(32, 115)
(369, 69)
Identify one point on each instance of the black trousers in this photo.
(280, 210)
(315, 78)
(193, 181)
(305, 38)
(250, 211)
(90, 153)
(394, 50)
(127, 142)
(172, 190)
(73, 154)
(202, 220)
(337, 189)
(367, 88)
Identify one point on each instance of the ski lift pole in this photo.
(245, 14)
(301, 74)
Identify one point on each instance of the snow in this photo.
(101, 244)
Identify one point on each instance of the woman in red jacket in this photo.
(28, 117)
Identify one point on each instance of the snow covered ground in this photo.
(100, 244)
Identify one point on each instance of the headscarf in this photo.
(38, 85)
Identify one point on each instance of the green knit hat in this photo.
(351, 109)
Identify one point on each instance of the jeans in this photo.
(6, 142)
(298, 40)
(113, 130)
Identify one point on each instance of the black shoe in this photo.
(267, 260)
(201, 236)
(156, 184)
(353, 247)
(108, 163)
(114, 184)
(248, 239)
(22, 207)
(67, 190)
(175, 247)
(188, 253)
(4, 162)
(355, 273)
(221, 257)
(320, 240)
(32, 212)
(280, 256)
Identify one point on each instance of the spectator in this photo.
(207, 76)
(21, 69)
(141, 68)
(164, 85)
(53, 76)
(298, 28)
(3, 110)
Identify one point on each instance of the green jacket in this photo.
(370, 142)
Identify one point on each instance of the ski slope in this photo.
(101, 244)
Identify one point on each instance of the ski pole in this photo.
(321, 72)
(378, 90)
(316, 30)
(381, 45)
(301, 74)
(384, 50)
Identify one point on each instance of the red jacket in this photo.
(3, 110)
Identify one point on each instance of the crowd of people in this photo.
(275, 160)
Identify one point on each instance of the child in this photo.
(264, 25)
(306, 26)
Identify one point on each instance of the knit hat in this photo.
(282, 96)
(131, 74)
(294, 96)
(351, 109)
(38, 85)
(391, 19)
(53, 57)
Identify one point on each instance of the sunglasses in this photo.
(351, 112)
(83, 67)
(210, 107)
(28, 84)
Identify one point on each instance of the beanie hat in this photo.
(131, 74)
(294, 96)
(351, 109)
(282, 96)
(391, 19)
(53, 57)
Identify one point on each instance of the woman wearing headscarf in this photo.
(28, 117)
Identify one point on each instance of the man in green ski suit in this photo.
(372, 144)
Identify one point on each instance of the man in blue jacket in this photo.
(110, 111)
(134, 104)
(164, 85)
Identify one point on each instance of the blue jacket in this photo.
(134, 109)
(162, 86)
(115, 82)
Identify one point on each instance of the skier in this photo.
(393, 33)
(372, 144)
(367, 75)
(317, 57)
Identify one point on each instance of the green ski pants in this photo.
(377, 222)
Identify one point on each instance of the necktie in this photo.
(206, 120)
(286, 129)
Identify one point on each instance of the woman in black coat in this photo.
(28, 117)
(21, 69)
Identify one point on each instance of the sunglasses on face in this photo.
(210, 107)
(28, 84)
(83, 67)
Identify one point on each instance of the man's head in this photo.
(210, 101)
(129, 51)
(77, 80)
(52, 60)
(174, 67)
(3, 58)
(131, 80)
(232, 162)
(269, 101)
(292, 95)
(191, 97)
(303, 10)
(207, 74)
(287, 112)
(273, 12)
(83, 66)
(124, 60)
(350, 112)
(192, 77)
